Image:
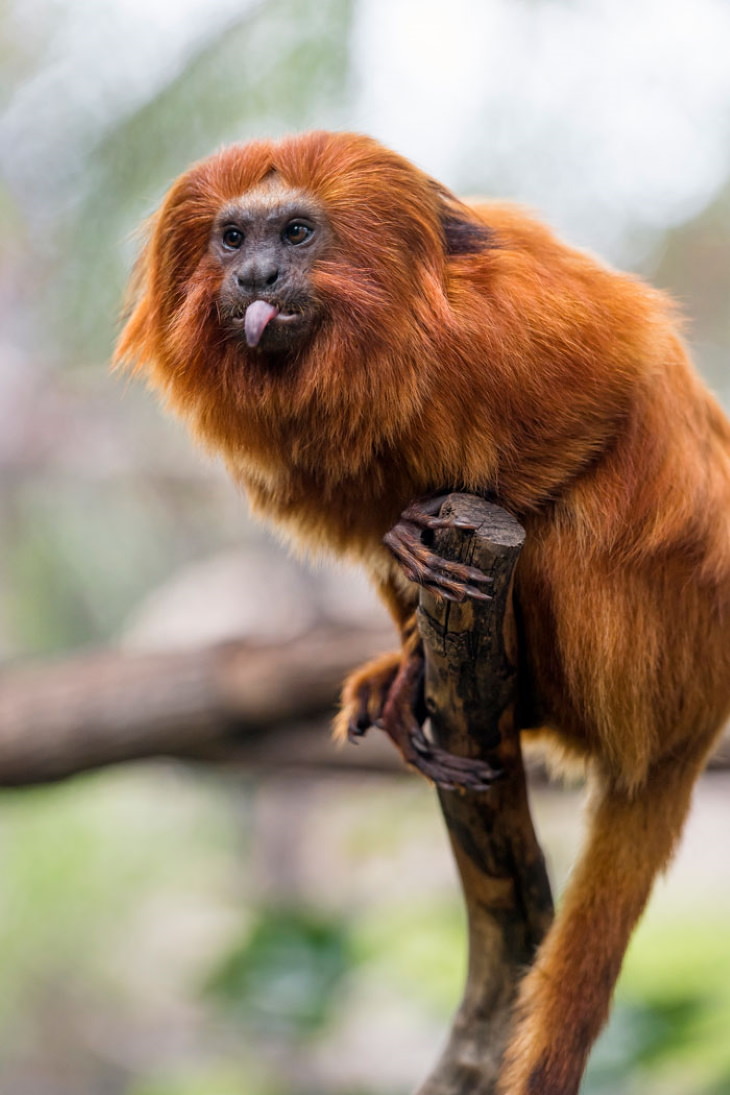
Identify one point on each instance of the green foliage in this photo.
(286, 976)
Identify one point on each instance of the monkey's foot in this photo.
(401, 725)
(444, 769)
(450, 580)
(364, 695)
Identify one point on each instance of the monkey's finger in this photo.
(456, 593)
(451, 772)
(451, 589)
(412, 550)
(455, 581)
(425, 511)
(411, 553)
(442, 586)
(443, 768)
(414, 516)
(357, 729)
(428, 750)
(428, 505)
(435, 564)
(433, 568)
(428, 520)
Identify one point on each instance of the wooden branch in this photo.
(470, 694)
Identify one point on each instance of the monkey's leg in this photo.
(564, 999)
(365, 692)
(364, 695)
(450, 580)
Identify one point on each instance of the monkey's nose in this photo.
(253, 277)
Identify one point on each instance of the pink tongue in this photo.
(258, 314)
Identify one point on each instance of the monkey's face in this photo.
(265, 244)
(292, 292)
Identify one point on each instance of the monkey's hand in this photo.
(450, 580)
(400, 723)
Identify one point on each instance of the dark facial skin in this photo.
(266, 243)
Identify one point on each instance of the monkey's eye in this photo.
(232, 238)
(297, 232)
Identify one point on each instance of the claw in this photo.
(458, 594)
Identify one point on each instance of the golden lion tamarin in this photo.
(351, 338)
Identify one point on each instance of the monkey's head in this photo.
(275, 276)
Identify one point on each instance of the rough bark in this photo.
(471, 653)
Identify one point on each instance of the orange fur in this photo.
(518, 367)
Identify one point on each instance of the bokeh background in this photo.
(168, 930)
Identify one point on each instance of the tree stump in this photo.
(470, 686)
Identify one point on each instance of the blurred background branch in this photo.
(255, 705)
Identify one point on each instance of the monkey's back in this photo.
(624, 587)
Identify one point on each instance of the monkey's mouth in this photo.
(267, 321)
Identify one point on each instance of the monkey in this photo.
(354, 340)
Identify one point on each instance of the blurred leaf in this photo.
(722, 1087)
(79, 863)
(287, 973)
(640, 1035)
(420, 952)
